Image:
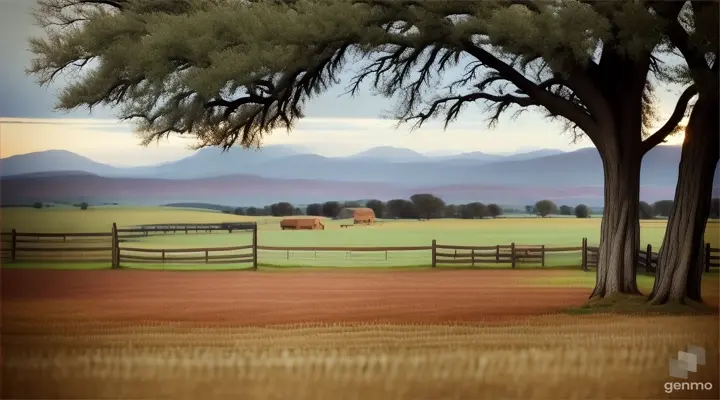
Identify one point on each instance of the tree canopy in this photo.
(229, 71)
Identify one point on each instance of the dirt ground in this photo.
(260, 298)
(440, 334)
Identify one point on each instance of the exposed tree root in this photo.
(637, 304)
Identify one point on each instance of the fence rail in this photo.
(106, 246)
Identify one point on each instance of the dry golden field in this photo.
(334, 335)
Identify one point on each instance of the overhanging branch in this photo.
(554, 104)
(672, 122)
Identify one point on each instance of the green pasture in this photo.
(551, 232)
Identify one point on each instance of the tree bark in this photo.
(620, 228)
(680, 262)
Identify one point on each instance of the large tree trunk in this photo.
(620, 228)
(680, 262)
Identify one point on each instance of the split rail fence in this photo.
(104, 247)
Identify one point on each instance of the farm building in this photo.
(359, 215)
(301, 223)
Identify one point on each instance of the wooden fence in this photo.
(499, 254)
(107, 246)
(146, 230)
(648, 259)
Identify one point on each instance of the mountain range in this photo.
(277, 173)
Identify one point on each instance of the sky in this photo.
(336, 124)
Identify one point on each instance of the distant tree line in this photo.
(421, 206)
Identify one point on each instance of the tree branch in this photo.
(502, 103)
(555, 105)
(672, 122)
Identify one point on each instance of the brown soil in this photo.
(259, 298)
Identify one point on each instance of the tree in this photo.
(451, 211)
(428, 205)
(582, 211)
(282, 209)
(351, 204)
(377, 206)
(646, 211)
(315, 209)
(239, 211)
(691, 30)
(83, 206)
(401, 208)
(662, 208)
(252, 211)
(530, 210)
(473, 210)
(715, 208)
(566, 210)
(494, 210)
(586, 63)
(330, 209)
(545, 208)
(297, 211)
(38, 205)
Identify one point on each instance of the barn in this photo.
(301, 223)
(358, 215)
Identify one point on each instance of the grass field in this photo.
(557, 232)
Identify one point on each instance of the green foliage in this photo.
(38, 205)
(315, 209)
(544, 208)
(83, 206)
(239, 211)
(282, 209)
(582, 211)
(428, 205)
(451, 211)
(663, 208)
(330, 209)
(252, 211)
(566, 210)
(226, 72)
(473, 210)
(401, 208)
(494, 210)
(377, 206)
(646, 211)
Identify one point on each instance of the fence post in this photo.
(648, 258)
(583, 255)
(434, 253)
(163, 257)
(255, 246)
(497, 253)
(472, 257)
(115, 263)
(512, 254)
(206, 257)
(542, 260)
(13, 251)
(707, 257)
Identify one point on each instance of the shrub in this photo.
(83, 206)
(38, 205)
(582, 211)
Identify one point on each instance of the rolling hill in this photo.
(280, 173)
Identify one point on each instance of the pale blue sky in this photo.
(336, 124)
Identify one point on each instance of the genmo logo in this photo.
(678, 386)
(687, 361)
